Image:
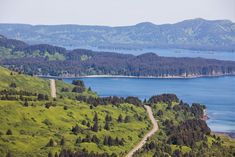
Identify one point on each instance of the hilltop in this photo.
(196, 34)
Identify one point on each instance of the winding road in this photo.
(53, 88)
(149, 134)
(144, 139)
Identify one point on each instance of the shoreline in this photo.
(138, 77)
(229, 134)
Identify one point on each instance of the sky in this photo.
(113, 12)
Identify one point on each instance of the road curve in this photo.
(53, 88)
(149, 134)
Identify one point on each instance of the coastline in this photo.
(205, 117)
(229, 134)
(139, 77)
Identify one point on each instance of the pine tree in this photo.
(84, 122)
(106, 127)
(95, 127)
(9, 154)
(51, 143)
(105, 140)
(95, 117)
(127, 119)
(95, 139)
(120, 119)
(50, 154)
(88, 124)
(76, 129)
(79, 140)
(13, 85)
(26, 104)
(9, 132)
(110, 141)
(108, 118)
(56, 154)
(62, 141)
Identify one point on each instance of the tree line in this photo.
(106, 63)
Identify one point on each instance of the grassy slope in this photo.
(34, 84)
(23, 82)
(30, 134)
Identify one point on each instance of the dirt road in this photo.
(150, 133)
(53, 88)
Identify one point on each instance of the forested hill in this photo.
(197, 34)
(46, 59)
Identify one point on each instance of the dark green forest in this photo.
(51, 60)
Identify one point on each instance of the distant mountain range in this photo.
(196, 34)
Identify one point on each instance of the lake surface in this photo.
(220, 55)
(217, 93)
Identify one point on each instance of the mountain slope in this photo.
(198, 34)
(33, 125)
(23, 82)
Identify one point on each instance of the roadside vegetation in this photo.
(183, 132)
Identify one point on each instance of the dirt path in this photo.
(150, 133)
(53, 88)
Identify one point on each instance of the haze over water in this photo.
(217, 93)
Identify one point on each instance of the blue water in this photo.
(217, 93)
(220, 55)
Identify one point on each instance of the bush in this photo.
(65, 107)
(47, 122)
(51, 143)
(78, 83)
(133, 100)
(78, 89)
(127, 119)
(165, 98)
(12, 85)
(76, 129)
(9, 132)
(64, 90)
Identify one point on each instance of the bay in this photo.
(217, 93)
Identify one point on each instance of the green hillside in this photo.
(35, 126)
(79, 123)
(23, 82)
(183, 134)
(34, 84)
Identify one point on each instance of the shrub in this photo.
(78, 83)
(12, 85)
(9, 132)
(127, 119)
(78, 89)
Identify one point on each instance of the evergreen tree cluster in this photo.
(109, 141)
(80, 153)
(163, 98)
(114, 100)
